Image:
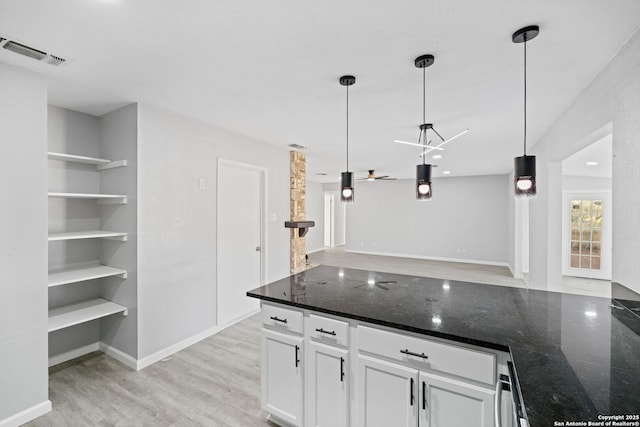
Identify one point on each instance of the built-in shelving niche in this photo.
(88, 274)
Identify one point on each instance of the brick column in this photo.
(297, 189)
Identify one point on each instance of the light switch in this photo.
(201, 184)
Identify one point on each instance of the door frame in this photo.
(262, 173)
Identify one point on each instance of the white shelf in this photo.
(74, 275)
(101, 164)
(89, 234)
(101, 198)
(86, 311)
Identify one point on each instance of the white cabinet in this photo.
(282, 386)
(328, 382)
(392, 394)
(385, 393)
(362, 375)
(445, 402)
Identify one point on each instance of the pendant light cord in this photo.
(525, 94)
(424, 114)
(347, 128)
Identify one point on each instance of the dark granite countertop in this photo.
(576, 357)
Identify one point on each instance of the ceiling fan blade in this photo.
(452, 138)
(415, 144)
(382, 177)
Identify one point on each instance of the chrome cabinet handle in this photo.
(410, 353)
(278, 319)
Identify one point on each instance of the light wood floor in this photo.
(216, 382)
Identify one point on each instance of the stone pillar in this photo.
(297, 189)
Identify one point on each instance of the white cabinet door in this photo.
(445, 402)
(282, 387)
(386, 393)
(327, 386)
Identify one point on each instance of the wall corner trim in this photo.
(27, 415)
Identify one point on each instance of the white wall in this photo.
(585, 183)
(609, 103)
(23, 245)
(315, 212)
(177, 222)
(466, 219)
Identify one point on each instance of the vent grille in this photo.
(55, 60)
(31, 52)
(297, 146)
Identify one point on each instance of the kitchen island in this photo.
(577, 358)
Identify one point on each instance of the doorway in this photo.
(329, 220)
(240, 241)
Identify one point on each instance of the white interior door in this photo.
(240, 251)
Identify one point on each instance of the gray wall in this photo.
(23, 241)
(177, 222)
(465, 220)
(610, 102)
(77, 133)
(315, 212)
(119, 141)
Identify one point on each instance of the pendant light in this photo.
(525, 166)
(424, 188)
(346, 182)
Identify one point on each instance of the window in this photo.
(586, 234)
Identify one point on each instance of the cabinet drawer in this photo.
(468, 363)
(284, 319)
(330, 331)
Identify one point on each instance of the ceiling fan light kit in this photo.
(346, 181)
(525, 166)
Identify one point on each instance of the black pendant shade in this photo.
(346, 181)
(424, 190)
(524, 177)
(346, 187)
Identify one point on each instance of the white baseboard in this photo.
(119, 355)
(72, 354)
(27, 415)
(172, 349)
(313, 251)
(431, 258)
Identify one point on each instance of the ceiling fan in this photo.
(426, 146)
(423, 62)
(372, 176)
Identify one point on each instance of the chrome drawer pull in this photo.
(277, 319)
(409, 353)
(326, 332)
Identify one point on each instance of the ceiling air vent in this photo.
(297, 146)
(31, 52)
